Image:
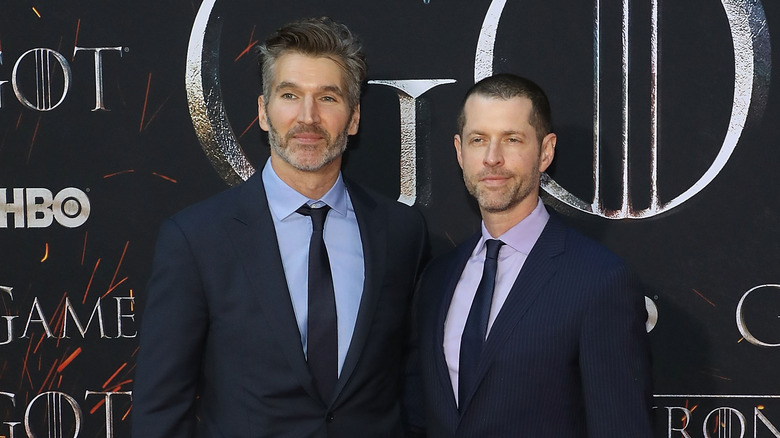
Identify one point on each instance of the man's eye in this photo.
(329, 98)
(288, 96)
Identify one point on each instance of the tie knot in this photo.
(493, 245)
(317, 215)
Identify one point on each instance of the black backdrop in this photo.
(98, 144)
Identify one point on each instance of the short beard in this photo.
(281, 146)
(492, 201)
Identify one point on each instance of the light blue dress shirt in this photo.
(342, 239)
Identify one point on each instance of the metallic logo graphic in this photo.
(741, 320)
(408, 91)
(57, 414)
(58, 420)
(204, 95)
(39, 207)
(47, 75)
(750, 35)
(44, 59)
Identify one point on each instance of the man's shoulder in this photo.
(583, 250)
(452, 257)
(362, 195)
(218, 206)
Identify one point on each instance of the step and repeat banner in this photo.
(116, 114)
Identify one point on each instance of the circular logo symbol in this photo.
(750, 35)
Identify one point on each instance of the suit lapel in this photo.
(537, 270)
(253, 234)
(372, 225)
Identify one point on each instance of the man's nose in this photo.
(493, 154)
(308, 112)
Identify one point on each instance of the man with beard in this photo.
(280, 307)
(528, 328)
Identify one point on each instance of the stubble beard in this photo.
(286, 151)
(497, 200)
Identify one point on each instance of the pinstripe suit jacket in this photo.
(567, 357)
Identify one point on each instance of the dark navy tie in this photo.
(475, 331)
(322, 332)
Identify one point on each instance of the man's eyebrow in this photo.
(286, 85)
(514, 132)
(333, 89)
(474, 132)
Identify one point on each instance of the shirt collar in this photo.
(523, 236)
(283, 200)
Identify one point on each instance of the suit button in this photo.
(329, 417)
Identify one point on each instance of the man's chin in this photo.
(310, 163)
(495, 202)
(307, 166)
(494, 208)
(307, 158)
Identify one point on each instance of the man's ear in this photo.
(456, 142)
(354, 122)
(547, 151)
(262, 118)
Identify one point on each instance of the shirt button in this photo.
(329, 417)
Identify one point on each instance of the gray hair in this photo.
(319, 37)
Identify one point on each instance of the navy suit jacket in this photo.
(219, 338)
(567, 356)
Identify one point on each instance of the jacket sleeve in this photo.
(615, 359)
(413, 402)
(173, 330)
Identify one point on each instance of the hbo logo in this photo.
(38, 208)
